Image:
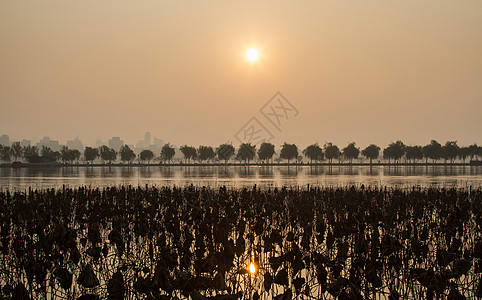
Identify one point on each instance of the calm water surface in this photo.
(236, 176)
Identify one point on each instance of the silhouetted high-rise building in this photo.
(147, 138)
(4, 140)
(116, 143)
(146, 142)
(25, 143)
(46, 141)
(99, 143)
(158, 142)
(75, 144)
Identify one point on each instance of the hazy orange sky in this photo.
(363, 71)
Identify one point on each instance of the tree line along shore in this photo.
(396, 153)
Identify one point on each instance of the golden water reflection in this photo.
(22, 178)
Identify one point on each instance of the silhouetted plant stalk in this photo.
(158, 243)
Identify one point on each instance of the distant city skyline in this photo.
(116, 142)
(77, 143)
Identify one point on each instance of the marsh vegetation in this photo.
(156, 243)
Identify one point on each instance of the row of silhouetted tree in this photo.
(395, 152)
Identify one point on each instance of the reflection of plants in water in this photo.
(225, 172)
(333, 170)
(350, 170)
(246, 171)
(394, 170)
(288, 171)
(108, 171)
(206, 171)
(266, 171)
(199, 242)
(69, 171)
(146, 171)
(128, 171)
(91, 172)
(316, 171)
(40, 172)
(167, 171)
(372, 171)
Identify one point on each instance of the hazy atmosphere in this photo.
(173, 149)
(363, 71)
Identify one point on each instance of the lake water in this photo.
(238, 176)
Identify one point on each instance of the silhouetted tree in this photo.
(474, 151)
(31, 154)
(464, 152)
(167, 152)
(371, 152)
(16, 150)
(146, 155)
(266, 151)
(351, 152)
(91, 154)
(394, 150)
(432, 151)
(76, 154)
(48, 155)
(246, 152)
(205, 153)
(63, 153)
(450, 151)
(225, 152)
(107, 154)
(66, 154)
(288, 152)
(126, 153)
(413, 153)
(313, 152)
(189, 152)
(331, 151)
(5, 153)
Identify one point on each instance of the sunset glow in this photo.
(207, 147)
(354, 71)
(252, 54)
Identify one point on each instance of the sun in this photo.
(252, 54)
(252, 268)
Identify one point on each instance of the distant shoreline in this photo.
(256, 164)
